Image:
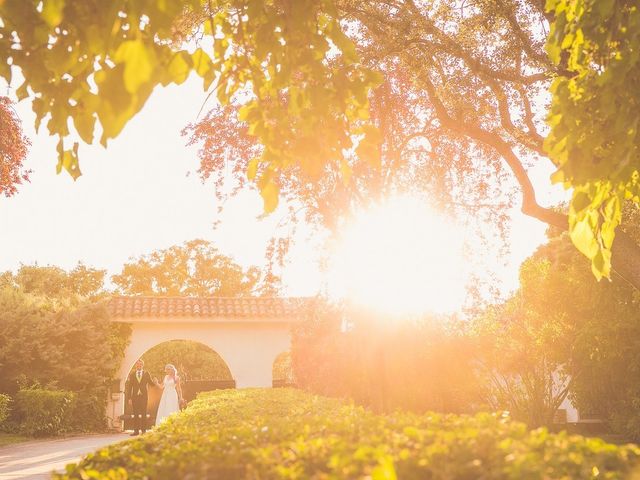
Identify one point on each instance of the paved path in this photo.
(37, 459)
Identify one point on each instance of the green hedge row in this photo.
(40, 412)
(288, 434)
(5, 408)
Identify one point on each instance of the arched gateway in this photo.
(248, 333)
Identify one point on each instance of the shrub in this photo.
(45, 347)
(89, 411)
(5, 407)
(44, 412)
(285, 433)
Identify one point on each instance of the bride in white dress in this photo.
(171, 394)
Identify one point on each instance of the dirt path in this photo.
(37, 459)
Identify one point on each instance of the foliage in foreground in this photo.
(289, 434)
(594, 117)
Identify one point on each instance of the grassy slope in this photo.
(282, 433)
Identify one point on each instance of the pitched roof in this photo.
(121, 306)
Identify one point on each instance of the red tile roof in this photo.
(206, 306)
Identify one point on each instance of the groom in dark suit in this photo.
(137, 384)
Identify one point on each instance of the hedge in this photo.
(5, 407)
(40, 411)
(288, 434)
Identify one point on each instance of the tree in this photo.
(526, 348)
(563, 333)
(53, 282)
(13, 150)
(303, 84)
(44, 344)
(196, 268)
(55, 333)
(604, 348)
(102, 61)
(193, 360)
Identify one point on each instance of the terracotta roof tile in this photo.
(206, 306)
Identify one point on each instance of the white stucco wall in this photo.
(249, 347)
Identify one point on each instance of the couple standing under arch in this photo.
(137, 389)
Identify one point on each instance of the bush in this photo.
(42, 412)
(45, 346)
(5, 408)
(89, 412)
(285, 433)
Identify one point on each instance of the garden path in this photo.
(35, 460)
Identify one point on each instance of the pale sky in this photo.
(136, 197)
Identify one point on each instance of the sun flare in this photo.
(400, 258)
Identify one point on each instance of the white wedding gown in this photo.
(169, 401)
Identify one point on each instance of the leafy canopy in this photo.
(92, 65)
(196, 268)
(194, 361)
(301, 87)
(594, 117)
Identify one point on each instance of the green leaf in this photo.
(252, 169)
(139, 63)
(116, 105)
(584, 238)
(385, 470)
(180, 67)
(68, 159)
(601, 264)
(85, 124)
(22, 91)
(270, 193)
(202, 63)
(52, 12)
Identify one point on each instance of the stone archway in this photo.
(248, 333)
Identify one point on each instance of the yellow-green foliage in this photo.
(5, 407)
(594, 136)
(41, 412)
(288, 434)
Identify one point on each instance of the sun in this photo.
(400, 258)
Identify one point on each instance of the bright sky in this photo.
(136, 197)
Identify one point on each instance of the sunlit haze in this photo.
(135, 197)
(400, 258)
